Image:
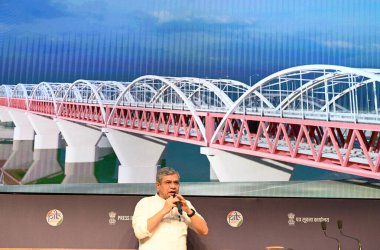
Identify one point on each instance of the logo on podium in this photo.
(291, 219)
(234, 219)
(112, 219)
(54, 217)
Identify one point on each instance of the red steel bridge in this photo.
(322, 116)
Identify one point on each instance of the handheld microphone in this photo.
(323, 224)
(340, 227)
(179, 205)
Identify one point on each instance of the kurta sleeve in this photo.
(140, 220)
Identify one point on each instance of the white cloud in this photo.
(164, 16)
(338, 44)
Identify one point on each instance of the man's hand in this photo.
(168, 206)
(170, 203)
(198, 223)
(185, 207)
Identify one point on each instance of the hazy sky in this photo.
(123, 39)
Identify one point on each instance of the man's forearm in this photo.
(155, 220)
(199, 225)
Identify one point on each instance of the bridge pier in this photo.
(22, 149)
(234, 167)
(5, 131)
(23, 130)
(6, 135)
(81, 151)
(5, 151)
(4, 115)
(132, 150)
(46, 144)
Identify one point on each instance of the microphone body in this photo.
(179, 205)
(340, 227)
(323, 224)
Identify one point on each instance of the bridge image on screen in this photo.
(321, 116)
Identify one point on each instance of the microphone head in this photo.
(340, 224)
(323, 224)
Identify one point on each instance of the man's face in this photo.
(168, 187)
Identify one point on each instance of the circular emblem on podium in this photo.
(54, 217)
(234, 219)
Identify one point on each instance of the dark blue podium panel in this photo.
(104, 222)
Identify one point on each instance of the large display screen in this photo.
(229, 45)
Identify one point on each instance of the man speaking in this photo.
(160, 222)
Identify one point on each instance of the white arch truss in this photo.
(148, 96)
(84, 91)
(6, 91)
(46, 91)
(23, 91)
(312, 88)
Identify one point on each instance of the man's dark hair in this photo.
(165, 171)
